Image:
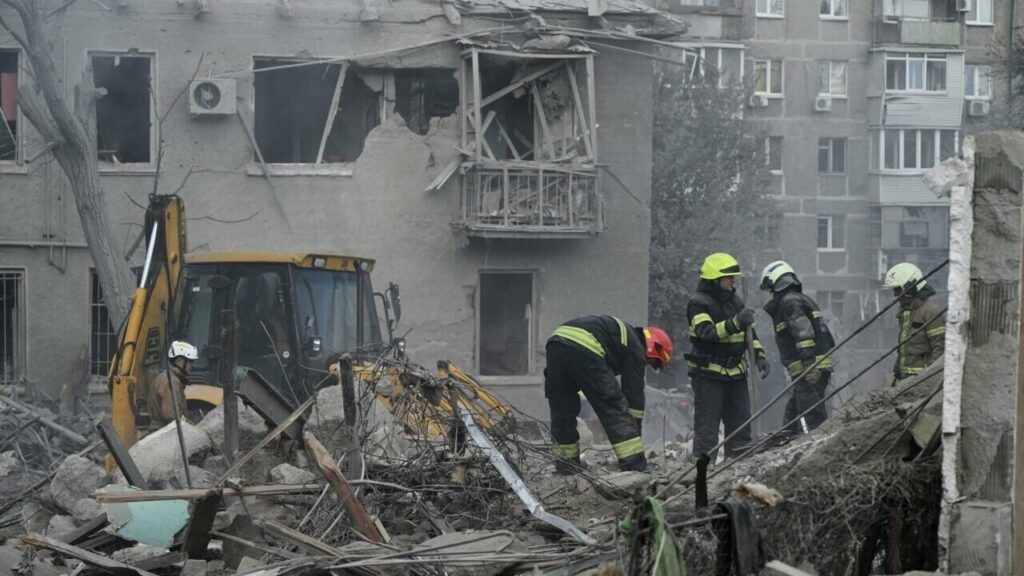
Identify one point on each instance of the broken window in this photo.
(312, 113)
(12, 325)
(506, 318)
(527, 124)
(124, 114)
(425, 93)
(9, 105)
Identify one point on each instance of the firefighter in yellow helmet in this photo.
(803, 339)
(717, 364)
(917, 310)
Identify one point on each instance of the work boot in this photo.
(635, 463)
(569, 466)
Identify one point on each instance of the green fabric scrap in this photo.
(668, 560)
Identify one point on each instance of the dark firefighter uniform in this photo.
(803, 338)
(922, 325)
(585, 355)
(717, 363)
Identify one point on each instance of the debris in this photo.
(758, 492)
(194, 568)
(626, 482)
(197, 493)
(285, 473)
(121, 455)
(197, 533)
(154, 522)
(85, 530)
(251, 426)
(76, 478)
(158, 454)
(341, 487)
(470, 544)
(778, 568)
(45, 420)
(91, 558)
(60, 526)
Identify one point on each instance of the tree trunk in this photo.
(74, 138)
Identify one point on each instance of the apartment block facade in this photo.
(857, 99)
(458, 149)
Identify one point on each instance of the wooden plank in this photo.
(477, 90)
(85, 530)
(578, 105)
(48, 422)
(332, 111)
(199, 493)
(508, 141)
(494, 97)
(592, 106)
(442, 177)
(197, 532)
(538, 105)
(268, 438)
(161, 561)
(307, 543)
(121, 456)
(255, 546)
(228, 384)
(483, 135)
(341, 487)
(91, 558)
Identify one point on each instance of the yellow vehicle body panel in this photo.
(212, 395)
(336, 262)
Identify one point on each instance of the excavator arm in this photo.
(143, 340)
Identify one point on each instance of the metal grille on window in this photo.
(12, 321)
(102, 334)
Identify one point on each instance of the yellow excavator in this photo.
(294, 316)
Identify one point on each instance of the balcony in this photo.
(917, 32)
(502, 200)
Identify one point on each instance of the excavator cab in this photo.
(292, 313)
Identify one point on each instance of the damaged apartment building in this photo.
(491, 161)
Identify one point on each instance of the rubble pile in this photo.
(862, 491)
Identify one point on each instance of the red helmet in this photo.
(658, 344)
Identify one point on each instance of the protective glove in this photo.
(744, 318)
(813, 377)
(762, 366)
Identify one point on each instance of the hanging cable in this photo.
(792, 383)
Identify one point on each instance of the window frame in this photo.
(769, 14)
(17, 164)
(976, 69)
(20, 350)
(832, 10)
(846, 79)
(781, 170)
(927, 235)
(924, 58)
(768, 77)
(154, 107)
(531, 360)
(831, 234)
(902, 169)
(972, 12)
(829, 143)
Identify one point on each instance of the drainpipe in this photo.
(1012, 22)
(41, 244)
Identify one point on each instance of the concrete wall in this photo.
(379, 209)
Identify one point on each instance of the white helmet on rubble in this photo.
(184, 349)
(905, 276)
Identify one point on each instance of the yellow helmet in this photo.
(719, 265)
(904, 276)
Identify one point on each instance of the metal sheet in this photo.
(153, 523)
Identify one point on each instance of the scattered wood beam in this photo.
(341, 487)
(269, 438)
(200, 493)
(85, 530)
(307, 543)
(90, 558)
(197, 533)
(121, 456)
(48, 422)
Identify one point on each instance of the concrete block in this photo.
(981, 538)
(76, 478)
(158, 455)
(288, 474)
(60, 526)
(251, 427)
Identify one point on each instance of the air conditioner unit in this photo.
(823, 103)
(758, 100)
(963, 5)
(977, 108)
(212, 97)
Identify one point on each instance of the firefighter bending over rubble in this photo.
(803, 338)
(919, 315)
(584, 356)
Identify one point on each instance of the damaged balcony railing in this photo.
(507, 200)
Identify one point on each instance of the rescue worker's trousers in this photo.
(570, 371)
(719, 401)
(803, 397)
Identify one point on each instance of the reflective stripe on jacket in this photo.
(618, 345)
(929, 343)
(719, 344)
(801, 334)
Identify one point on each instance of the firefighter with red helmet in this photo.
(585, 355)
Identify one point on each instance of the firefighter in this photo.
(584, 356)
(917, 311)
(181, 356)
(717, 364)
(803, 339)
